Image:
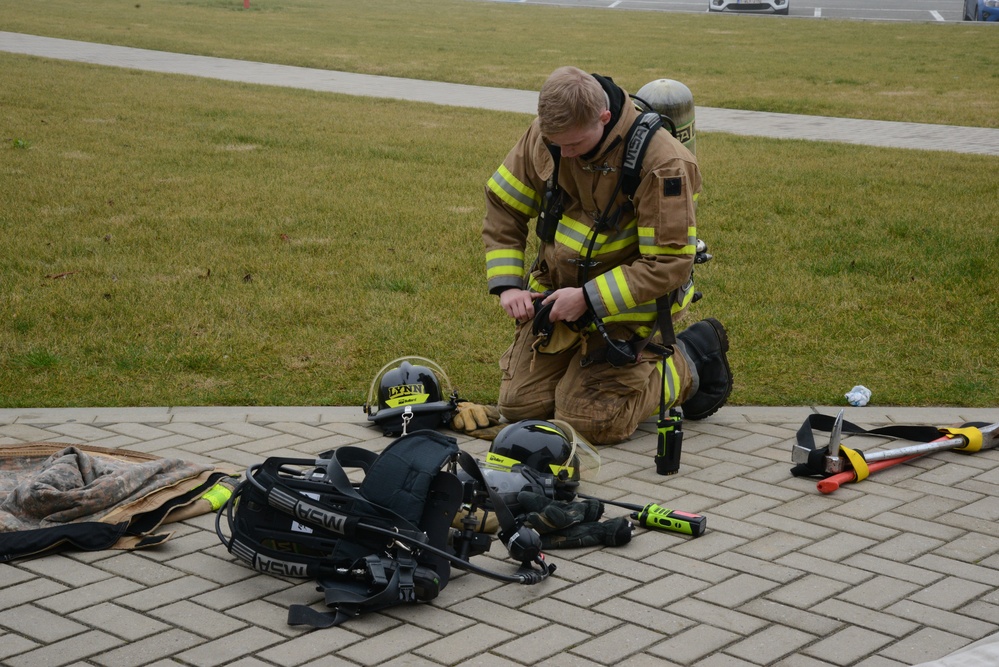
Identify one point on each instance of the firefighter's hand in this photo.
(518, 303)
(570, 304)
(472, 416)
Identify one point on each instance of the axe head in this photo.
(834, 462)
(803, 455)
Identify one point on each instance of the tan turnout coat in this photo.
(648, 254)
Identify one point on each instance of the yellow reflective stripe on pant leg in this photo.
(671, 388)
(534, 285)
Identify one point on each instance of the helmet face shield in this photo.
(408, 394)
(584, 456)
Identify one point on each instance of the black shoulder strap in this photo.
(388, 582)
(551, 203)
(556, 152)
(637, 142)
(639, 137)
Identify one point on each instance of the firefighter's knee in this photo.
(608, 431)
(515, 412)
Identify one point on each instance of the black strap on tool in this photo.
(815, 467)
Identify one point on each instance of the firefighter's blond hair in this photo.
(570, 100)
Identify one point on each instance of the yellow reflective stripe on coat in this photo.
(514, 193)
(613, 289)
(576, 236)
(647, 243)
(643, 312)
(505, 262)
(684, 296)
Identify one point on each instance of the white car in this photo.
(776, 6)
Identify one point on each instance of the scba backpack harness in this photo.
(382, 542)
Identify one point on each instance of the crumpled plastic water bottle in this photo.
(858, 396)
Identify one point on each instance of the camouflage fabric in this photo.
(50, 486)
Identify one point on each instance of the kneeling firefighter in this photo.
(614, 202)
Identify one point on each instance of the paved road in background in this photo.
(752, 123)
(878, 10)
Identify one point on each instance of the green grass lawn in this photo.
(177, 241)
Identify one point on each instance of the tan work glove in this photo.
(470, 417)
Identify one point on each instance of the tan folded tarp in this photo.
(53, 494)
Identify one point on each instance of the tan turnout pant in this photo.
(603, 403)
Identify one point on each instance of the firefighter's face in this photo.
(581, 141)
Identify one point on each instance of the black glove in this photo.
(546, 515)
(611, 533)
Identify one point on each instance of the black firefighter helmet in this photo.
(549, 447)
(407, 394)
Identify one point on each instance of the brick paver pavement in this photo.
(896, 570)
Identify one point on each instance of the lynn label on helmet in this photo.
(406, 394)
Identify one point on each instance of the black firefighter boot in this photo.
(704, 344)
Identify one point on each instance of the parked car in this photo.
(776, 6)
(981, 10)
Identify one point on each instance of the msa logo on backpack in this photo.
(384, 541)
(408, 394)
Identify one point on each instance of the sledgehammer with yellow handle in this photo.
(966, 438)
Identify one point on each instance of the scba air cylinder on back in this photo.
(674, 101)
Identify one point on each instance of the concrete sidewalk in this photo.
(893, 571)
(783, 126)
